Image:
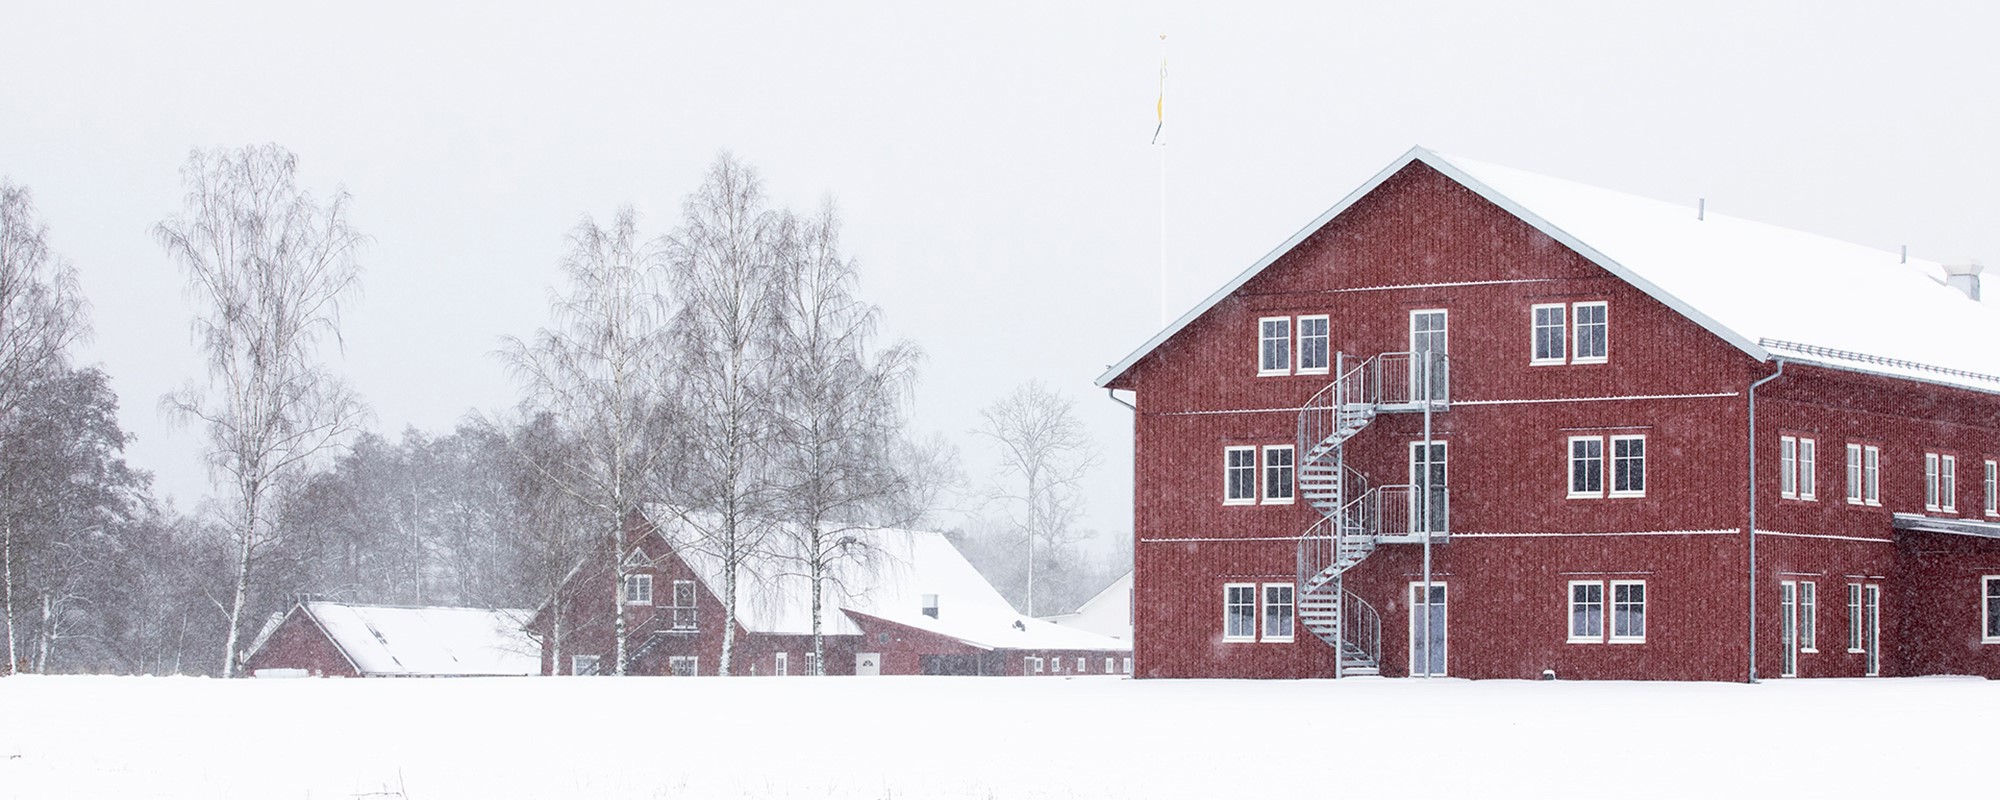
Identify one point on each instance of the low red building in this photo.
(912, 606)
(326, 639)
(1477, 422)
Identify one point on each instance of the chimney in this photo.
(1964, 277)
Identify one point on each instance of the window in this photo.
(931, 606)
(1277, 612)
(1871, 475)
(1128, 665)
(1992, 488)
(1032, 665)
(1628, 466)
(1989, 608)
(1930, 481)
(1314, 355)
(1239, 479)
(1239, 612)
(1808, 617)
(683, 607)
(1854, 474)
(1871, 627)
(780, 662)
(812, 664)
(1079, 665)
(1948, 484)
(1808, 463)
(1274, 346)
(1788, 464)
(1586, 611)
(1586, 466)
(638, 590)
(683, 666)
(1854, 618)
(1110, 665)
(1628, 611)
(1788, 628)
(1278, 474)
(583, 665)
(1430, 496)
(1551, 334)
(1592, 333)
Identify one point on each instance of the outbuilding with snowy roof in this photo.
(322, 638)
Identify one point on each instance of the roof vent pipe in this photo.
(1964, 277)
(1906, 255)
(1701, 209)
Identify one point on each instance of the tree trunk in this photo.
(7, 566)
(818, 568)
(729, 565)
(618, 594)
(242, 590)
(555, 635)
(45, 638)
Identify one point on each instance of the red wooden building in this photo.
(350, 640)
(914, 606)
(1477, 422)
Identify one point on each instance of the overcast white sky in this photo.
(993, 163)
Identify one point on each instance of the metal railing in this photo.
(1361, 626)
(1398, 378)
(1399, 510)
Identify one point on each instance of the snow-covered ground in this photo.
(989, 737)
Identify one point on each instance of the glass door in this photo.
(1427, 630)
(1427, 487)
(1428, 346)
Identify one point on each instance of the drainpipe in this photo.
(1113, 394)
(1753, 513)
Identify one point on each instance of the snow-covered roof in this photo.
(1108, 613)
(419, 641)
(1770, 291)
(891, 583)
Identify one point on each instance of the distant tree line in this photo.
(723, 372)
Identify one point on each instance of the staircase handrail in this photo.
(1361, 625)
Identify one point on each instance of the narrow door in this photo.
(867, 663)
(1871, 626)
(1428, 497)
(1788, 628)
(1427, 630)
(1428, 346)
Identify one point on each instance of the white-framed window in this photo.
(1854, 618)
(1930, 481)
(1586, 612)
(1239, 475)
(812, 664)
(1128, 665)
(1788, 464)
(583, 665)
(1593, 333)
(1808, 617)
(1274, 346)
(1239, 612)
(1628, 611)
(1550, 334)
(1788, 628)
(1628, 466)
(1808, 469)
(683, 608)
(1032, 665)
(781, 663)
(1315, 354)
(638, 590)
(1854, 474)
(683, 666)
(1871, 628)
(1871, 475)
(1992, 488)
(1278, 474)
(1278, 612)
(1948, 484)
(1110, 665)
(1430, 495)
(1989, 609)
(1586, 466)
(1080, 666)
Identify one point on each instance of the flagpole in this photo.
(1161, 142)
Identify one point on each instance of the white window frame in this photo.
(1612, 605)
(781, 663)
(812, 664)
(1575, 606)
(1611, 463)
(1808, 616)
(1265, 341)
(1788, 461)
(1992, 488)
(1948, 483)
(1289, 605)
(1788, 629)
(643, 584)
(1271, 472)
(1229, 606)
(1127, 662)
(1560, 328)
(1325, 337)
(1871, 610)
(1228, 473)
(576, 664)
(1871, 475)
(1576, 333)
(693, 665)
(682, 616)
(1931, 482)
(1853, 474)
(1989, 608)
(1110, 665)
(1808, 463)
(1569, 475)
(1854, 618)
(1032, 665)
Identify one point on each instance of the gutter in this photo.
(1753, 513)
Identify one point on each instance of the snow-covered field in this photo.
(819, 738)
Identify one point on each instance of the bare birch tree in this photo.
(42, 313)
(600, 374)
(268, 266)
(1044, 447)
(725, 257)
(838, 420)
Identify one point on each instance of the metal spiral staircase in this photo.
(1352, 520)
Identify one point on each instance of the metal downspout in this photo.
(1753, 513)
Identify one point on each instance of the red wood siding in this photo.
(299, 643)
